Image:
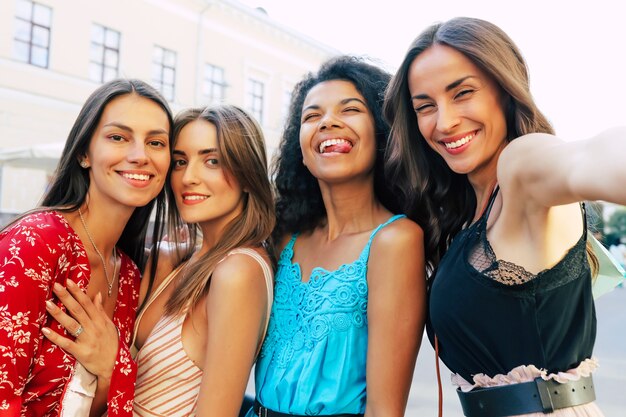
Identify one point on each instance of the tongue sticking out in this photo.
(338, 148)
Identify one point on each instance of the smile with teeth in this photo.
(139, 177)
(330, 142)
(460, 142)
(194, 197)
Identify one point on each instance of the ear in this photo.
(84, 162)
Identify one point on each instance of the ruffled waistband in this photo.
(526, 373)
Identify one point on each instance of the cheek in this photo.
(163, 162)
(426, 125)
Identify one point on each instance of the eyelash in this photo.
(464, 93)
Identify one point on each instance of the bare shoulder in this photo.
(403, 235)
(240, 272)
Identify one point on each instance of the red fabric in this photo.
(36, 252)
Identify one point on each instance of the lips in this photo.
(193, 198)
(138, 179)
(337, 145)
(456, 142)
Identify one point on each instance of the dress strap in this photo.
(269, 283)
(288, 249)
(492, 199)
(151, 297)
(366, 249)
(583, 209)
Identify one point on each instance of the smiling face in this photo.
(337, 134)
(128, 155)
(459, 110)
(204, 191)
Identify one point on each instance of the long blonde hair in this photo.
(242, 153)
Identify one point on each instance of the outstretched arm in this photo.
(396, 314)
(547, 171)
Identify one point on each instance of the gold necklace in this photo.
(106, 271)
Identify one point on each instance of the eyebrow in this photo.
(130, 130)
(449, 87)
(342, 102)
(200, 152)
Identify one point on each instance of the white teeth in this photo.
(140, 177)
(329, 142)
(460, 142)
(195, 197)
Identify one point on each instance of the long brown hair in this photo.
(241, 147)
(440, 200)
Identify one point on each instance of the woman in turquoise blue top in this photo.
(349, 303)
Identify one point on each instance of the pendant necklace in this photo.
(106, 271)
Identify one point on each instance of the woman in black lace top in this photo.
(511, 310)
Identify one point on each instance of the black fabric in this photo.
(488, 327)
(261, 411)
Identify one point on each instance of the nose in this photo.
(447, 118)
(329, 121)
(189, 175)
(137, 153)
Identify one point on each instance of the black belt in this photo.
(261, 411)
(536, 396)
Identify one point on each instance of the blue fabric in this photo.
(313, 358)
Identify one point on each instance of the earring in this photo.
(84, 164)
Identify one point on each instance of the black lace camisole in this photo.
(491, 316)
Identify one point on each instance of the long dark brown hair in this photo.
(440, 200)
(241, 147)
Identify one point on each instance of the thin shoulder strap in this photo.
(366, 250)
(492, 199)
(151, 297)
(583, 209)
(292, 242)
(269, 284)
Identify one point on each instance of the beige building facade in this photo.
(54, 53)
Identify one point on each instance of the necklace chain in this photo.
(106, 271)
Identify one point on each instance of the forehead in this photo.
(133, 106)
(330, 92)
(438, 66)
(198, 134)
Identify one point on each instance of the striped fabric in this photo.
(168, 382)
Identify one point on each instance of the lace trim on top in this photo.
(483, 259)
(526, 373)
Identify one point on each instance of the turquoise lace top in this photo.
(313, 358)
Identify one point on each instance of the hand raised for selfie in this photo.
(96, 341)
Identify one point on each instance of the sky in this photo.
(575, 50)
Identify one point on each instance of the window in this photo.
(104, 54)
(213, 85)
(286, 103)
(32, 33)
(255, 99)
(164, 71)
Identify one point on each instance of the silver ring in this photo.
(78, 331)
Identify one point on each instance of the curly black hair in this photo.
(299, 204)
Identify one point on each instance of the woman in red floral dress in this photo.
(89, 232)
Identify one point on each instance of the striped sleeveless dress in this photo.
(168, 382)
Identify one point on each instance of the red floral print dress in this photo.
(37, 251)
